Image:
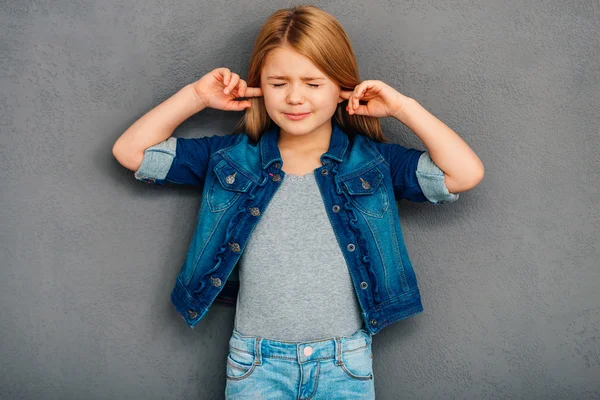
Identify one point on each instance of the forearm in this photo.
(462, 167)
(155, 126)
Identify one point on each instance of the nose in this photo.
(294, 95)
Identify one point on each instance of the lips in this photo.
(297, 117)
(296, 114)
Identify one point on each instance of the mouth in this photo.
(296, 116)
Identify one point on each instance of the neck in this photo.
(317, 139)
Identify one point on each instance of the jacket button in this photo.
(277, 165)
(324, 172)
(276, 178)
(254, 211)
(235, 247)
(351, 247)
(193, 314)
(336, 208)
(363, 285)
(216, 281)
(373, 322)
(230, 178)
(365, 184)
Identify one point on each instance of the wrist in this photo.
(403, 107)
(197, 98)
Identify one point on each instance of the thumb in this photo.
(241, 105)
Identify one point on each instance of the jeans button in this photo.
(308, 351)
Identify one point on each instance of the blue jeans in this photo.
(331, 368)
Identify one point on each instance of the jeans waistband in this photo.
(301, 352)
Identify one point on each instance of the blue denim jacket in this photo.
(359, 181)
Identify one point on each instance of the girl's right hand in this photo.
(220, 87)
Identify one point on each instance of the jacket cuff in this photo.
(157, 161)
(431, 180)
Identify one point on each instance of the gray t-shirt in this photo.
(294, 281)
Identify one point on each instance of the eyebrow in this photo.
(304, 78)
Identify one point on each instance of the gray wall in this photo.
(509, 273)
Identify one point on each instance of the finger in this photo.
(253, 92)
(226, 75)
(345, 94)
(358, 93)
(242, 88)
(349, 105)
(350, 109)
(352, 96)
(363, 90)
(365, 86)
(361, 110)
(233, 82)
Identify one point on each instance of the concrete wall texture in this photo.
(509, 273)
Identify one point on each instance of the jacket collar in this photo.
(270, 152)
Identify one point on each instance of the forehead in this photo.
(285, 61)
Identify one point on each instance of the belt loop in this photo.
(338, 350)
(257, 352)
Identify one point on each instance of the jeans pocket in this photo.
(240, 365)
(358, 363)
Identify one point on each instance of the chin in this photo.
(296, 129)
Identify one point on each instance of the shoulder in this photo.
(365, 147)
(207, 145)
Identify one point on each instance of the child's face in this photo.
(319, 97)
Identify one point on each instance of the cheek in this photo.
(330, 101)
(268, 100)
(272, 98)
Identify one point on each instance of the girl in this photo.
(327, 267)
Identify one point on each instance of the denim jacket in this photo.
(359, 180)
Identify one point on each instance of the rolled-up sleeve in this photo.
(181, 160)
(157, 162)
(415, 176)
(431, 181)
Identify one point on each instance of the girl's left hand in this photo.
(382, 100)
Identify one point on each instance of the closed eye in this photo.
(276, 85)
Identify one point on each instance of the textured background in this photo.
(509, 273)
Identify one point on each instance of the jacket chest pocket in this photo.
(227, 185)
(367, 192)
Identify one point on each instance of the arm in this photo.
(463, 170)
(156, 126)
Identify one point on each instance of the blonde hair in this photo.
(318, 36)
